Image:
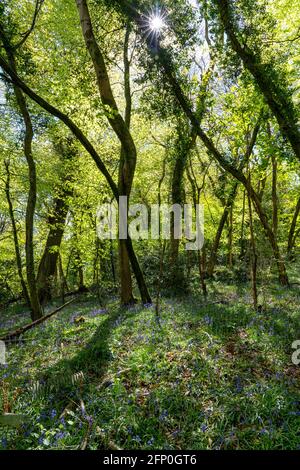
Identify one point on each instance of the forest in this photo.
(149, 225)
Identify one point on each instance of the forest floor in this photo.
(206, 376)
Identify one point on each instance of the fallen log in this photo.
(24, 328)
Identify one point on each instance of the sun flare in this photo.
(156, 23)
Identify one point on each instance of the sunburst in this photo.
(154, 23)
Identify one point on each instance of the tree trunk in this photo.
(254, 254)
(230, 238)
(50, 256)
(185, 141)
(125, 275)
(242, 238)
(214, 250)
(274, 196)
(15, 235)
(292, 236)
(123, 183)
(56, 221)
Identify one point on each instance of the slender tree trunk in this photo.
(261, 187)
(254, 254)
(214, 250)
(201, 257)
(15, 235)
(283, 277)
(292, 236)
(230, 237)
(81, 286)
(112, 262)
(274, 196)
(242, 238)
(62, 279)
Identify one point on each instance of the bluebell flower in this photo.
(89, 419)
(163, 415)
(4, 442)
(238, 384)
(99, 311)
(263, 431)
(208, 320)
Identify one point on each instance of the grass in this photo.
(206, 376)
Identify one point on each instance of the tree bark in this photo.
(48, 263)
(292, 235)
